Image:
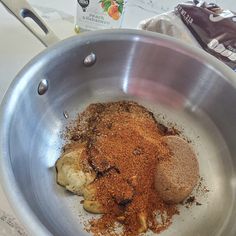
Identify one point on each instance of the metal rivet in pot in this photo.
(43, 87)
(90, 59)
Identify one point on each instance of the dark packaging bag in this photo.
(213, 27)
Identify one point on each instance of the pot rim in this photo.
(16, 199)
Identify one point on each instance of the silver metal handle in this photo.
(21, 9)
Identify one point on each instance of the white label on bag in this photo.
(220, 48)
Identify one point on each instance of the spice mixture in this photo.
(123, 144)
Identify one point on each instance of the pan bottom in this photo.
(208, 217)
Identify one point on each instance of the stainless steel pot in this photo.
(184, 84)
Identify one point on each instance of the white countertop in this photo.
(18, 46)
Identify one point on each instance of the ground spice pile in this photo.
(123, 147)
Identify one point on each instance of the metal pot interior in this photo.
(183, 85)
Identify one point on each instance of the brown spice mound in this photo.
(124, 145)
(177, 177)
